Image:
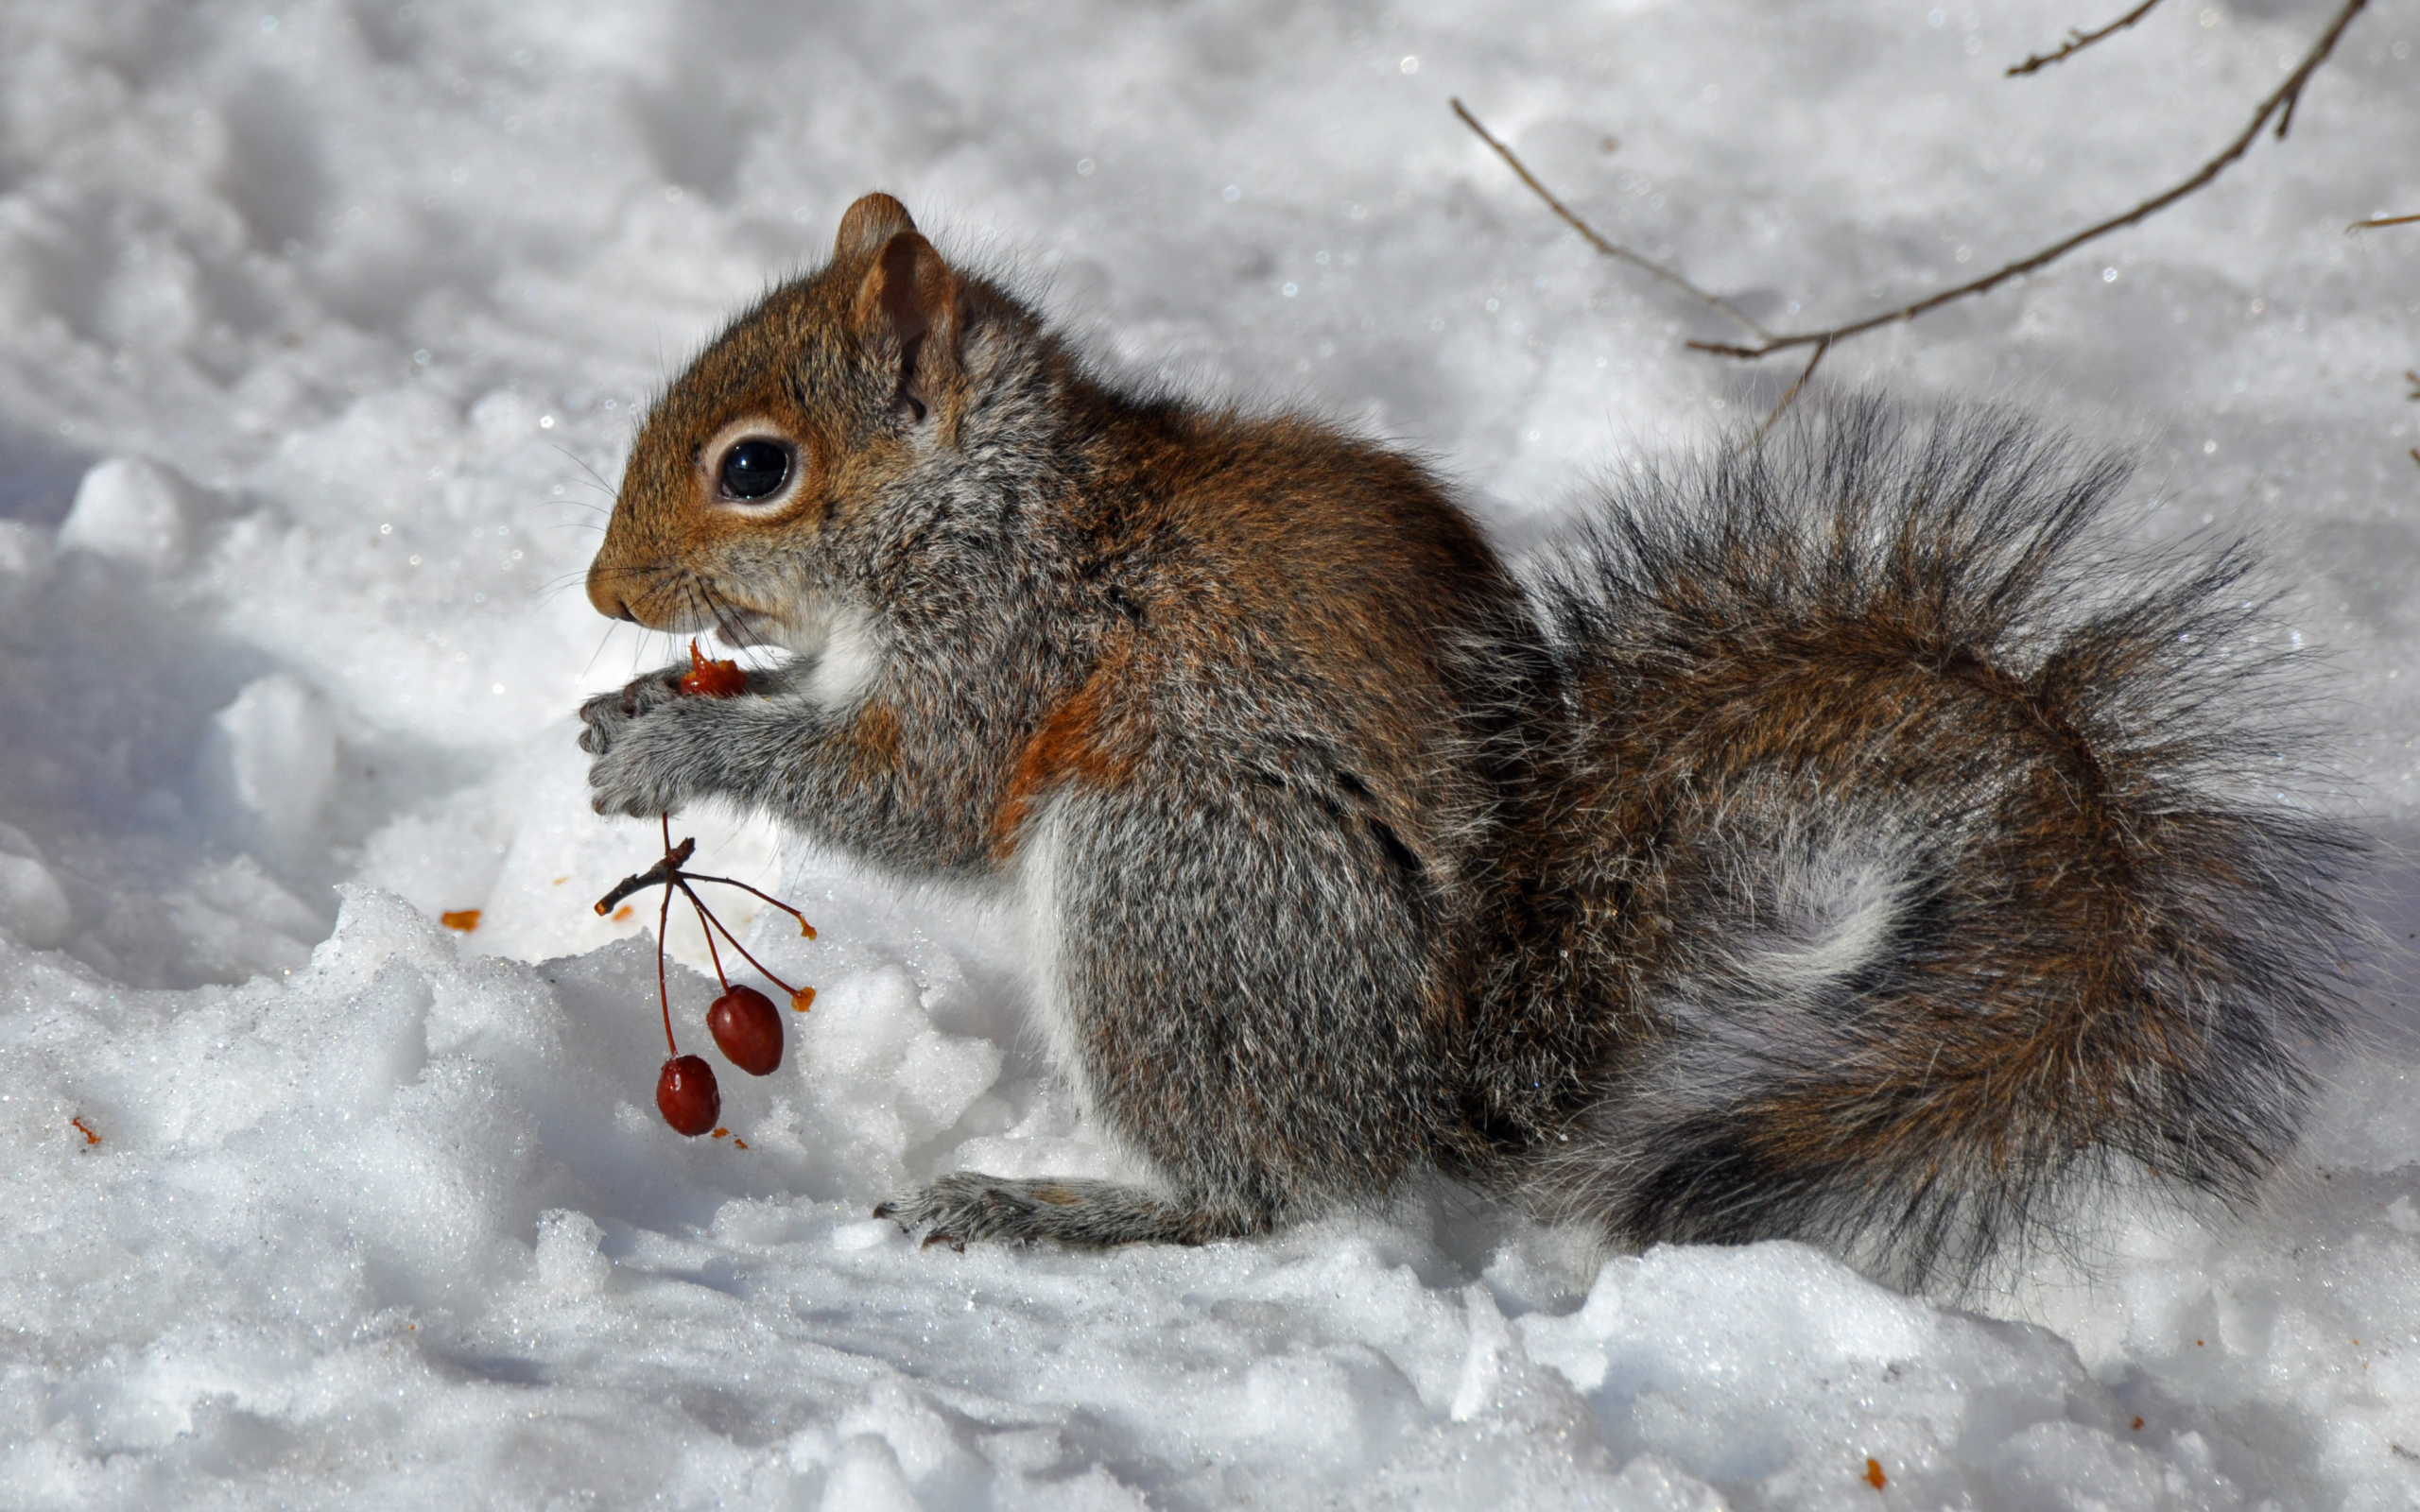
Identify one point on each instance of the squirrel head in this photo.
(806, 405)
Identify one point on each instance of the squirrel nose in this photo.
(607, 602)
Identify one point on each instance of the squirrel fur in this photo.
(1840, 841)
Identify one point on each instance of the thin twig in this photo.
(1788, 394)
(1613, 249)
(2282, 101)
(2382, 220)
(2078, 41)
(662, 869)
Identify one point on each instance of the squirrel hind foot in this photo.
(968, 1205)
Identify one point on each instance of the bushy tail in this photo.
(1932, 856)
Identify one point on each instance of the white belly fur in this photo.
(842, 642)
(1040, 859)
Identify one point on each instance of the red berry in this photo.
(748, 1029)
(685, 1095)
(712, 679)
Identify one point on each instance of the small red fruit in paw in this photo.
(748, 1029)
(712, 679)
(685, 1095)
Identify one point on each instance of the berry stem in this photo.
(683, 884)
(713, 954)
(662, 992)
(805, 928)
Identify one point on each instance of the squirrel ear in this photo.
(909, 302)
(871, 221)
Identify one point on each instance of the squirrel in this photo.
(1843, 840)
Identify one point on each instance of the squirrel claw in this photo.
(932, 1236)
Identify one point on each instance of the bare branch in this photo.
(1610, 249)
(2078, 41)
(670, 866)
(2279, 106)
(1788, 394)
(2382, 220)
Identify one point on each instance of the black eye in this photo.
(752, 469)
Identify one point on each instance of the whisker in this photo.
(726, 621)
(700, 606)
(611, 493)
(602, 641)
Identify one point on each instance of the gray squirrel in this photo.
(1838, 842)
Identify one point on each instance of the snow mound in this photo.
(401, 1226)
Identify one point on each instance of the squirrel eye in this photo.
(752, 469)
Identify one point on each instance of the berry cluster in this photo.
(745, 1024)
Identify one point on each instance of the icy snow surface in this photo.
(321, 324)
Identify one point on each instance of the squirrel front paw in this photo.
(607, 715)
(639, 769)
(624, 782)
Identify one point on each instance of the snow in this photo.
(126, 508)
(322, 330)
